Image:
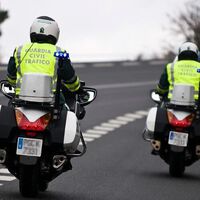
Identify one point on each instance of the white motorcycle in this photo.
(38, 138)
(172, 129)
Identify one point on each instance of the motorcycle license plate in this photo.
(29, 147)
(178, 138)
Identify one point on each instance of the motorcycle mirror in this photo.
(155, 97)
(7, 89)
(89, 97)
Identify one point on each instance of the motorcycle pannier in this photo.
(36, 88)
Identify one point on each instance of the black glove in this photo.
(83, 95)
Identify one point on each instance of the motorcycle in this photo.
(172, 128)
(38, 138)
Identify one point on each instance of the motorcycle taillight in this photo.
(183, 123)
(38, 125)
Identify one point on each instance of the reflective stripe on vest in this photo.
(183, 72)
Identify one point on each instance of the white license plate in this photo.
(29, 147)
(178, 138)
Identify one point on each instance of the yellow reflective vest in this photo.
(184, 71)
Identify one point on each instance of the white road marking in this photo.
(103, 128)
(126, 119)
(142, 112)
(123, 85)
(114, 121)
(158, 62)
(103, 64)
(7, 178)
(89, 139)
(79, 65)
(92, 131)
(91, 135)
(135, 116)
(110, 125)
(130, 64)
(4, 171)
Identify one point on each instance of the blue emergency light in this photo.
(198, 70)
(61, 54)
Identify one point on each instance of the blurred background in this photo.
(105, 30)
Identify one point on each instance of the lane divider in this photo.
(112, 124)
(92, 134)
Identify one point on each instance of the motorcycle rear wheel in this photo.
(28, 180)
(176, 164)
(43, 186)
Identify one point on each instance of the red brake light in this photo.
(38, 125)
(184, 123)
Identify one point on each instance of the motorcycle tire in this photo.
(28, 180)
(176, 164)
(43, 186)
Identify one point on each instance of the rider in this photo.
(37, 56)
(181, 70)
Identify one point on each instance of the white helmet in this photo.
(188, 46)
(44, 27)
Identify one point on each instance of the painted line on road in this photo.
(123, 85)
(158, 62)
(130, 64)
(5, 176)
(4, 171)
(112, 124)
(81, 65)
(103, 64)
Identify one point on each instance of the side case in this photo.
(7, 123)
(157, 122)
(72, 133)
(161, 123)
(65, 132)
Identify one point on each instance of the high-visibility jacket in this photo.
(180, 72)
(39, 58)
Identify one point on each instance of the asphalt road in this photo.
(118, 164)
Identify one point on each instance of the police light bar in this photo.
(198, 70)
(61, 54)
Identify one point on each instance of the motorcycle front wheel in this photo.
(176, 164)
(28, 180)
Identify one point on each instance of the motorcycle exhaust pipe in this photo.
(155, 144)
(2, 156)
(58, 161)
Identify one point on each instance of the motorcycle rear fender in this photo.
(32, 114)
(180, 115)
(176, 148)
(71, 133)
(28, 160)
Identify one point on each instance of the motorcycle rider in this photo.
(182, 70)
(37, 56)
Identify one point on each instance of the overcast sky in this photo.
(94, 29)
